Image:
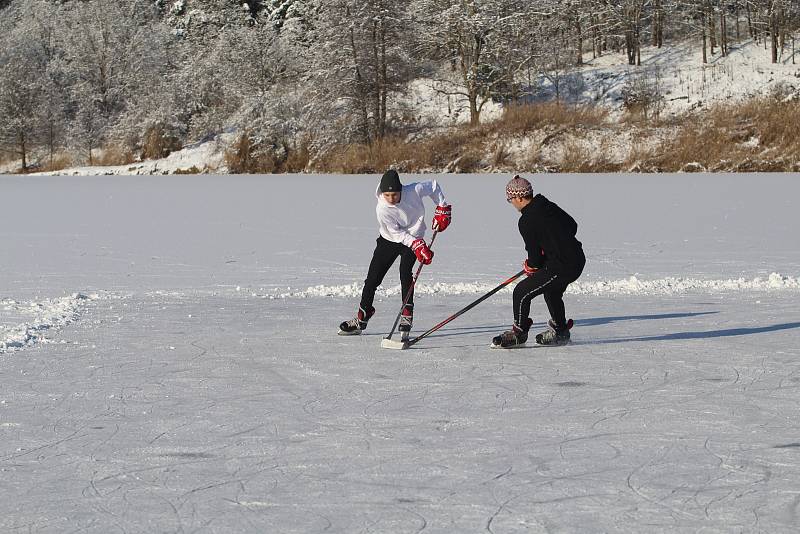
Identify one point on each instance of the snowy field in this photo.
(170, 362)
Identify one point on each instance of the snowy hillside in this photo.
(170, 360)
(685, 82)
(688, 87)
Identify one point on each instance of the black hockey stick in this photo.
(463, 310)
(409, 293)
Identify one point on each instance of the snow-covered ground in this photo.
(206, 156)
(170, 361)
(681, 77)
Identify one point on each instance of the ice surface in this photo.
(188, 376)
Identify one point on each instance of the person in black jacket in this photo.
(555, 260)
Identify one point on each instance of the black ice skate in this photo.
(554, 335)
(354, 326)
(406, 320)
(516, 337)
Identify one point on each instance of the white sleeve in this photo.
(433, 190)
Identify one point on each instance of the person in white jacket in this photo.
(401, 224)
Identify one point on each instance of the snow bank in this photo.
(42, 317)
(673, 286)
(202, 157)
(627, 286)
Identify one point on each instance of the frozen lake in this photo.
(170, 361)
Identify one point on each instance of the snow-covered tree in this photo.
(280, 12)
(29, 107)
(552, 57)
(359, 62)
(260, 66)
(112, 51)
(474, 37)
(201, 21)
(21, 90)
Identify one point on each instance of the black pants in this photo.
(551, 282)
(386, 252)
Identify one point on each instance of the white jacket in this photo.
(405, 221)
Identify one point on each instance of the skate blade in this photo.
(520, 346)
(559, 344)
(353, 333)
(393, 344)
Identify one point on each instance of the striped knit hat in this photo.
(518, 187)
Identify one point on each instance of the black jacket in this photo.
(549, 235)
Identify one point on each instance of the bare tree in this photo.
(551, 53)
(21, 89)
(369, 37)
(112, 51)
(474, 38)
(30, 106)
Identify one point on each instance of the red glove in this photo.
(528, 269)
(441, 217)
(424, 254)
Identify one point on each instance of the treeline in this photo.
(141, 78)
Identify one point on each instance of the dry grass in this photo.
(460, 150)
(527, 118)
(776, 125)
(640, 159)
(298, 156)
(243, 157)
(580, 156)
(191, 170)
(575, 157)
(157, 144)
(113, 155)
(531, 160)
(696, 143)
(59, 162)
(757, 135)
(463, 148)
(366, 158)
(501, 155)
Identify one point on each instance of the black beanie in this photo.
(390, 182)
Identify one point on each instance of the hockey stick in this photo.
(406, 344)
(387, 341)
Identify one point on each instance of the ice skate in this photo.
(554, 335)
(406, 319)
(514, 338)
(357, 324)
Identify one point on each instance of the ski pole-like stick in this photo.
(464, 309)
(410, 290)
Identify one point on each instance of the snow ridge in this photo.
(626, 286)
(44, 316)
